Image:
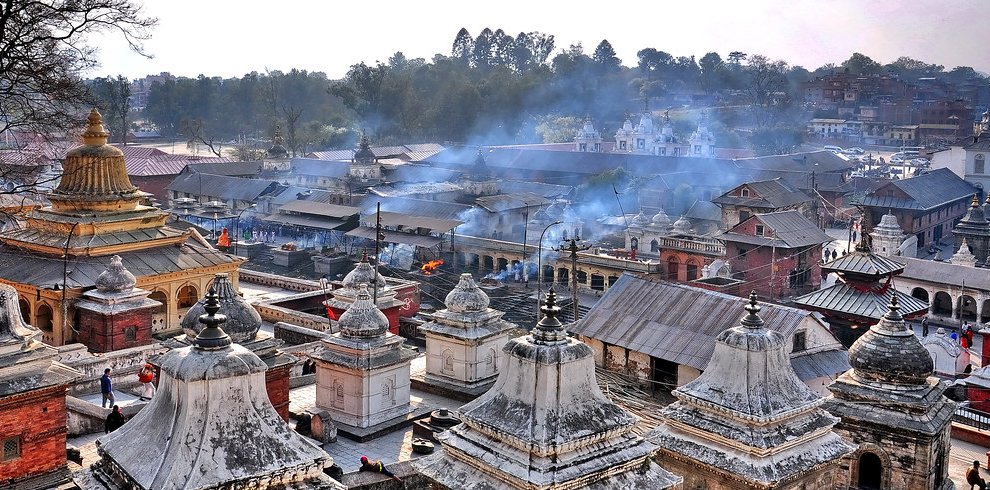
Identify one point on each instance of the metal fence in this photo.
(971, 417)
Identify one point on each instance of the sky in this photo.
(230, 38)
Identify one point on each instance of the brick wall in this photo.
(38, 418)
(277, 384)
(105, 333)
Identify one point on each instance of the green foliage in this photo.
(558, 129)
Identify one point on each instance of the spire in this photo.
(94, 176)
(364, 153)
(212, 337)
(277, 150)
(752, 320)
(549, 330)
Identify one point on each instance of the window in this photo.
(622, 145)
(654, 246)
(979, 164)
(800, 341)
(582, 147)
(759, 230)
(663, 151)
(640, 143)
(744, 192)
(11, 448)
(697, 149)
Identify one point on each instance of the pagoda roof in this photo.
(20, 267)
(847, 299)
(865, 263)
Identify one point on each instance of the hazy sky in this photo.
(230, 38)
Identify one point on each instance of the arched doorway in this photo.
(159, 316)
(563, 275)
(655, 246)
(25, 310)
(672, 268)
(920, 293)
(186, 297)
(502, 265)
(870, 472)
(44, 322)
(692, 270)
(942, 304)
(488, 263)
(967, 308)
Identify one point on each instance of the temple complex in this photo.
(32, 403)
(861, 293)
(243, 326)
(545, 424)
(362, 372)
(893, 409)
(210, 425)
(95, 213)
(748, 422)
(464, 341)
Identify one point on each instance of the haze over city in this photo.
(230, 39)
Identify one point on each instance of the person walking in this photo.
(106, 388)
(973, 477)
(924, 326)
(114, 420)
(146, 375)
(377, 467)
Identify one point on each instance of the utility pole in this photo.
(378, 243)
(525, 270)
(574, 248)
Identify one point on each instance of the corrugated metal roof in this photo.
(866, 263)
(104, 239)
(309, 221)
(320, 168)
(540, 188)
(421, 173)
(790, 230)
(866, 304)
(505, 202)
(415, 189)
(820, 364)
(926, 191)
(322, 209)
(976, 278)
(222, 186)
(704, 210)
(414, 207)
(770, 194)
(675, 322)
(412, 221)
(396, 237)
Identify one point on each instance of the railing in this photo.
(708, 247)
(972, 417)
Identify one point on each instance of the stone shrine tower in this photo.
(365, 170)
(545, 424)
(364, 274)
(588, 138)
(974, 230)
(243, 326)
(32, 403)
(210, 425)
(362, 372)
(115, 315)
(464, 341)
(479, 181)
(888, 236)
(893, 410)
(748, 422)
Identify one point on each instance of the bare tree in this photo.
(195, 132)
(44, 50)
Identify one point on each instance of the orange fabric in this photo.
(224, 240)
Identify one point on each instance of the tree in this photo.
(463, 44)
(112, 96)
(361, 90)
(558, 129)
(605, 56)
(860, 64)
(44, 50)
(736, 57)
(712, 72)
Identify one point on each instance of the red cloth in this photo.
(330, 314)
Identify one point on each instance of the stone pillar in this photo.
(955, 307)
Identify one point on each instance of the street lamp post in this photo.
(525, 230)
(539, 273)
(237, 225)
